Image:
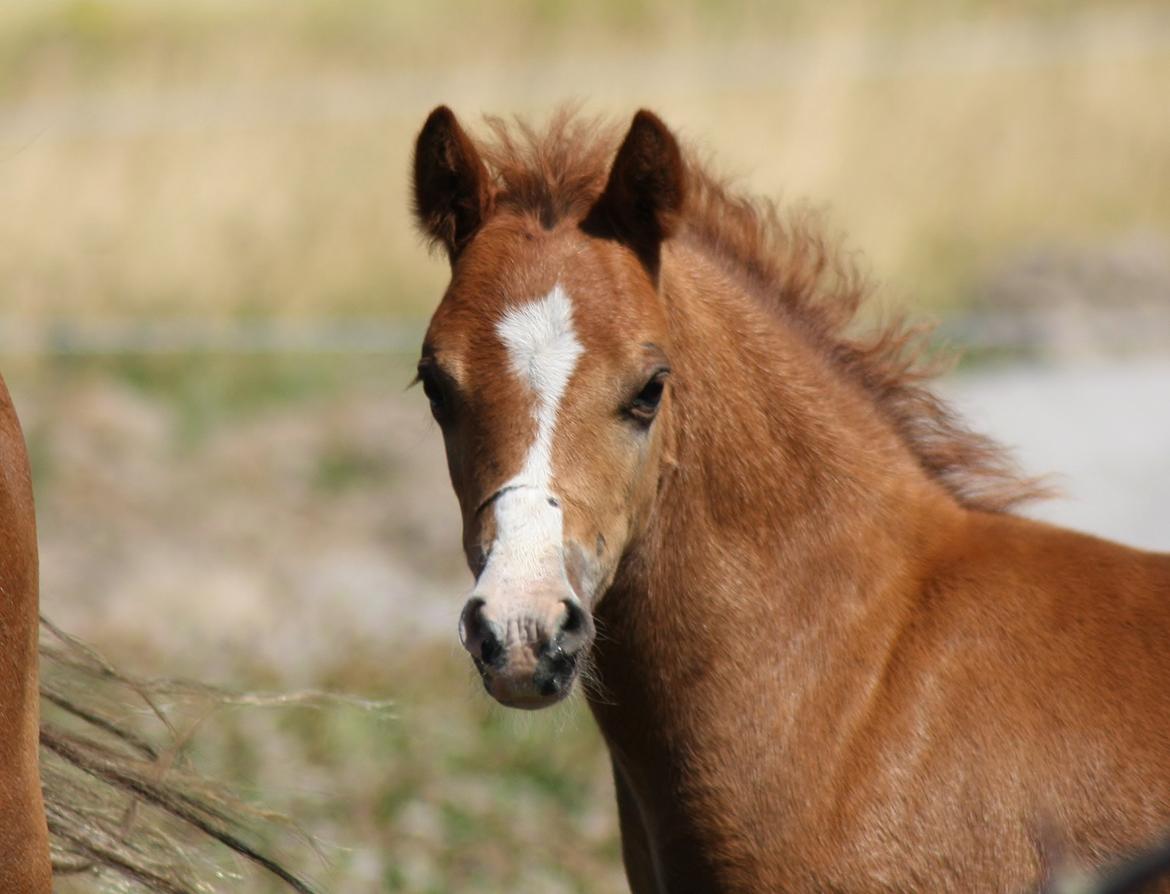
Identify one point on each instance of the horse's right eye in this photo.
(433, 390)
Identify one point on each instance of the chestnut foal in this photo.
(24, 843)
(831, 658)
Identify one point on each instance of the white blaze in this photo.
(543, 350)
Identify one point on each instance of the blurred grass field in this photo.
(440, 793)
(284, 520)
(229, 159)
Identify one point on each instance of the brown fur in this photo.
(24, 846)
(828, 658)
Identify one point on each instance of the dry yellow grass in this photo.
(225, 160)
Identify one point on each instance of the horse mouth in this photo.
(530, 688)
(530, 703)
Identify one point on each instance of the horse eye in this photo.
(433, 390)
(645, 405)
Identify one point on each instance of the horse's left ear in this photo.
(644, 195)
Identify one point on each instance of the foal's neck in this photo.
(787, 533)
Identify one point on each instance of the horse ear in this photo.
(452, 190)
(644, 195)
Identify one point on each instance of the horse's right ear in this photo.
(452, 190)
(644, 195)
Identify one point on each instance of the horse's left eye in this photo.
(645, 405)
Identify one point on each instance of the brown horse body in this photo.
(24, 848)
(828, 659)
(822, 672)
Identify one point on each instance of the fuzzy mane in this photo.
(784, 259)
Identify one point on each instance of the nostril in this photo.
(491, 650)
(574, 617)
(471, 623)
(476, 633)
(574, 625)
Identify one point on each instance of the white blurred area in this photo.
(1099, 429)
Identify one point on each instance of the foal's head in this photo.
(547, 366)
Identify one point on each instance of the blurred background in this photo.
(211, 298)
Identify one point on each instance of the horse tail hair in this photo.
(128, 806)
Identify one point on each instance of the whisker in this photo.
(591, 683)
